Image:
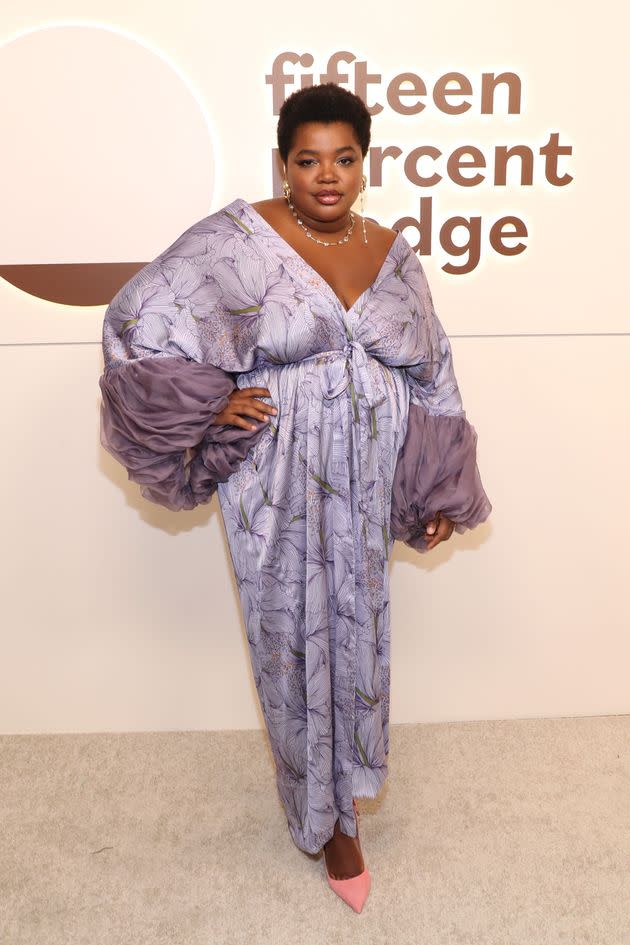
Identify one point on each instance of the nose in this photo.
(327, 172)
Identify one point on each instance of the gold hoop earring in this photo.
(363, 186)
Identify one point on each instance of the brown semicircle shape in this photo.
(71, 283)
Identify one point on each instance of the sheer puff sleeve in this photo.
(159, 397)
(157, 420)
(436, 468)
(436, 471)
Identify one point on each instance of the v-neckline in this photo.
(312, 268)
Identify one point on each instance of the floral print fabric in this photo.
(307, 512)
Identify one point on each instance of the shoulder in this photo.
(273, 210)
(383, 231)
(271, 203)
(204, 235)
(383, 236)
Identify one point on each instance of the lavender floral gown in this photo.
(369, 442)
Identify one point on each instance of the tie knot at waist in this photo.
(351, 365)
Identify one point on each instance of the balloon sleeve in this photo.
(159, 396)
(436, 469)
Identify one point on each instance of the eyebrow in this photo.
(346, 147)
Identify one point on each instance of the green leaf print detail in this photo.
(266, 498)
(374, 429)
(385, 538)
(365, 697)
(252, 309)
(354, 402)
(364, 757)
(296, 518)
(398, 271)
(244, 514)
(128, 324)
(325, 485)
(297, 653)
(387, 376)
(239, 222)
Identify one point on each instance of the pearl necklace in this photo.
(344, 239)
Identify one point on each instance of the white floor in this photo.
(486, 833)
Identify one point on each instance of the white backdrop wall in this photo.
(125, 127)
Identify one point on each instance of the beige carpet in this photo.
(486, 833)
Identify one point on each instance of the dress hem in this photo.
(358, 792)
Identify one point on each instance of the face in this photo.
(324, 170)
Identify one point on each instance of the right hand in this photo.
(242, 402)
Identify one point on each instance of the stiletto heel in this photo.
(354, 891)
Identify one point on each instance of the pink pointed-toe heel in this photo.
(354, 891)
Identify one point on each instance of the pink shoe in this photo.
(354, 891)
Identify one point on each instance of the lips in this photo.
(328, 196)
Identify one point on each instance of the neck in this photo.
(334, 227)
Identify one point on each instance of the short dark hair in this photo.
(326, 103)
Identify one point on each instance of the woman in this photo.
(286, 354)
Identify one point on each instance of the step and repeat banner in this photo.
(496, 147)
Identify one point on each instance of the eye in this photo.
(350, 160)
(305, 161)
